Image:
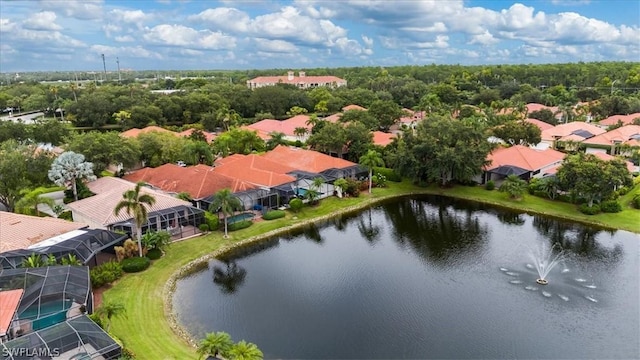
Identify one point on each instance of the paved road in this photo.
(27, 119)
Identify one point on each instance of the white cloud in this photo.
(135, 17)
(44, 20)
(7, 25)
(433, 28)
(224, 18)
(278, 46)
(124, 38)
(483, 39)
(367, 41)
(129, 51)
(182, 36)
(79, 9)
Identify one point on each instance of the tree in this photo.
(245, 351)
(72, 260)
(275, 138)
(386, 112)
(518, 133)
(514, 186)
(34, 261)
(106, 148)
(359, 138)
(70, 167)
(13, 172)
(238, 141)
(197, 152)
(313, 192)
(135, 203)
(111, 309)
(364, 117)
(31, 200)
(300, 132)
(545, 115)
(218, 343)
(331, 138)
(224, 201)
(370, 160)
(341, 185)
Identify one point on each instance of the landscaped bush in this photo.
(135, 264)
(610, 206)
(379, 180)
(636, 201)
(66, 215)
(127, 250)
(105, 273)
(239, 225)
(156, 239)
(589, 210)
(203, 227)
(273, 214)
(212, 220)
(353, 187)
(388, 173)
(295, 205)
(490, 185)
(154, 254)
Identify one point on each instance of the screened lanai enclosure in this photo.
(74, 339)
(84, 245)
(261, 199)
(180, 221)
(50, 295)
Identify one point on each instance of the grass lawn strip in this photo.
(150, 327)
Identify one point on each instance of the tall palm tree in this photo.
(245, 351)
(73, 86)
(109, 310)
(214, 344)
(370, 160)
(135, 203)
(31, 200)
(300, 132)
(224, 201)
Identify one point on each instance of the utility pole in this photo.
(118, 62)
(104, 64)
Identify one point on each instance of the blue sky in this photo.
(71, 35)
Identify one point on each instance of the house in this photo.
(409, 121)
(22, 231)
(576, 131)
(615, 119)
(168, 213)
(539, 123)
(382, 138)
(312, 162)
(288, 127)
(200, 181)
(612, 141)
(523, 161)
(134, 132)
(257, 170)
(207, 135)
(302, 81)
(531, 107)
(354, 107)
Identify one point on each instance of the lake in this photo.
(424, 277)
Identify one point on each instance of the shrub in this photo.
(623, 191)
(636, 201)
(66, 215)
(239, 225)
(203, 227)
(127, 250)
(105, 273)
(212, 220)
(156, 239)
(353, 187)
(273, 214)
(610, 206)
(490, 185)
(154, 254)
(388, 173)
(379, 180)
(586, 209)
(295, 205)
(135, 264)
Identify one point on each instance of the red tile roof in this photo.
(563, 130)
(531, 107)
(208, 136)
(382, 139)
(306, 160)
(286, 127)
(607, 157)
(333, 118)
(19, 231)
(627, 134)
(625, 119)
(228, 159)
(524, 157)
(354, 107)
(539, 123)
(258, 170)
(9, 301)
(131, 133)
(199, 181)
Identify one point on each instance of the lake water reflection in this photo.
(424, 278)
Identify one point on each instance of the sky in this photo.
(72, 35)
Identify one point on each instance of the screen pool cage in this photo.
(180, 221)
(50, 294)
(254, 199)
(85, 245)
(77, 338)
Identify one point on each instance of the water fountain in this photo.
(544, 260)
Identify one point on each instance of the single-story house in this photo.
(313, 162)
(611, 141)
(19, 231)
(539, 123)
(615, 119)
(207, 135)
(382, 138)
(522, 161)
(576, 131)
(168, 213)
(287, 127)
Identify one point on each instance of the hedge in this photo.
(585, 209)
(388, 173)
(239, 225)
(154, 254)
(273, 214)
(610, 206)
(135, 264)
(105, 273)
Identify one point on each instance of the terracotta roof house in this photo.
(611, 140)
(409, 121)
(168, 212)
(564, 132)
(522, 161)
(539, 123)
(10, 299)
(287, 127)
(334, 118)
(354, 107)
(312, 161)
(132, 133)
(198, 181)
(208, 136)
(302, 81)
(614, 119)
(606, 157)
(531, 107)
(257, 170)
(382, 138)
(19, 231)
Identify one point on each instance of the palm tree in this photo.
(31, 200)
(227, 203)
(135, 205)
(370, 160)
(214, 344)
(109, 310)
(245, 351)
(275, 138)
(71, 259)
(514, 186)
(300, 132)
(73, 86)
(314, 190)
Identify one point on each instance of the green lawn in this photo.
(146, 330)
